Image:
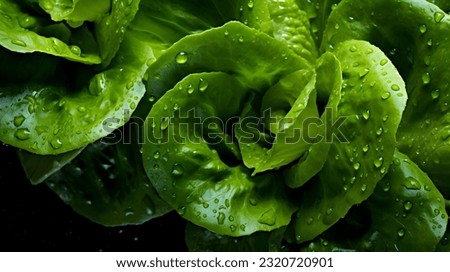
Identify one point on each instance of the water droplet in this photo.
(268, 217)
(129, 85)
(356, 166)
(366, 114)
(22, 134)
(384, 62)
(165, 123)
(430, 42)
(329, 211)
(181, 210)
(152, 98)
(423, 29)
(435, 94)
(233, 228)
(407, 205)
(386, 187)
(437, 212)
(364, 72)
(177, 170)
(250, 4)
(241, 39)
(242, 227)
(18, 120)
(156, 155)
(395, 87)
(181, 58)
(231, 218)
(98, 84)
(363, 188)
(401, 233)
(412, 183)
(156, 167)
(353, 48)
(336, 26)
(379, 131)
(216, 201)
(385, 95)
(253, 202)
(205, 205)
(221, 218)
(202, 85)
(19, 43)
(438, 16)
(310, 221)
(378, 162)
(365, 148)
(227, 203)
(190, 89)
(26, 21)
(75, 50)
(426, 78)
(56, 143)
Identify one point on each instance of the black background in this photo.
(33, 218)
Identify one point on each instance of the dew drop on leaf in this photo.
(22, 134)
(438, 16)
(181, 58)
(177, 170)
(401, 233)
(268, 217)
(435, 94)
(75, 50)
(378, 162)
(165, 123)
(426, 78)
(56, 143)
(423, 29)
(407, 205)
(221, 218)
(412, 184)
(18, 120)
(19, 43)
(202, 85)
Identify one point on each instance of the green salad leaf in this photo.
(373, 98)
(113, 191)
(405, 197)
(421, 57)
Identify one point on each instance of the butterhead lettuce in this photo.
(268, 125)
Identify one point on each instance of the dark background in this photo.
(33, 218)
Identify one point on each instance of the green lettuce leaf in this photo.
(329, 84)
(202, 177)
(286, 107)
(40, 167)
(414, 35)
(107, 183)
(24, 32)
(373, 98)
(409, 201)
(66, 105)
